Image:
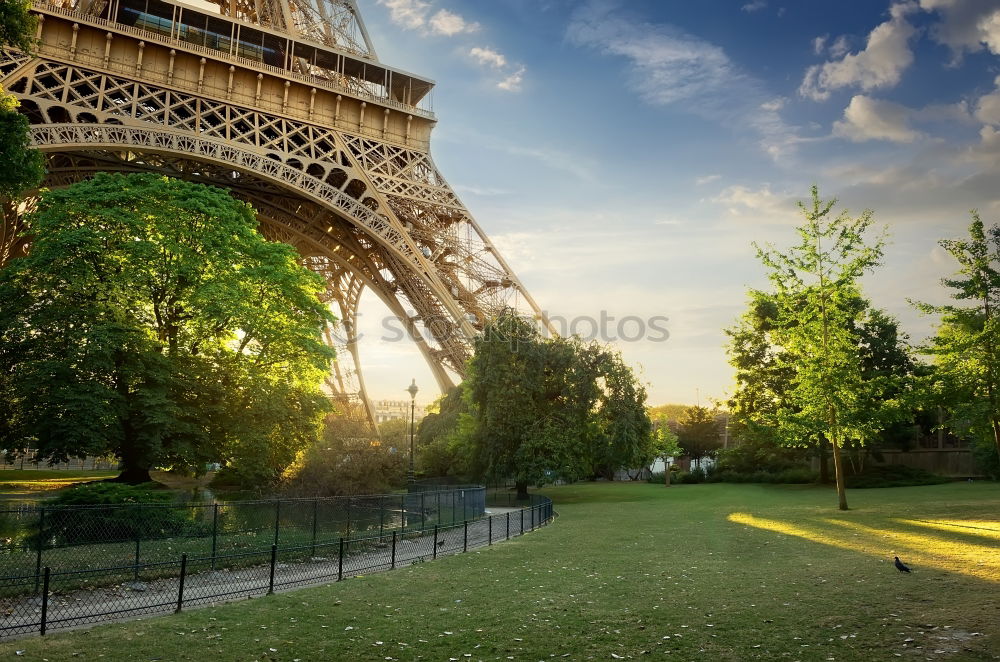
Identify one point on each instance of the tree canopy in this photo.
(966, 347)
(152, 321)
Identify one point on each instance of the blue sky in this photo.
(624, 154)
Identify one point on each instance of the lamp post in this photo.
(412, 389)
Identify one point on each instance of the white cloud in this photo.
(988, 106)
(754, 5)
(410, 14)
(761, 204)
(449, 24)
(512, 83)
(707, 179)
(840, 46)
(881, 64)
(416, 15)
(966, 25)
(819, 44)
(875, 119)
(488, 57)
(668, 66)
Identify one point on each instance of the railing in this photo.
(314, 81)
(93, 581)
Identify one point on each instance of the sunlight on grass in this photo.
(982, 528)
(920, 549)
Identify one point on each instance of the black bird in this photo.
(440, 543)
(901, 566)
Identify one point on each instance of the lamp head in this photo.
(412, 389)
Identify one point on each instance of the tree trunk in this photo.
(838, 465)
(666, 473)
(522, 490)
(133, 475)
(996, 433)
(824, 463)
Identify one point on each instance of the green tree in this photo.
(665, 445)
(443, 436)
(624, 432)
(23, 167)
(966, 348)
(816, 291)
(698, 434)
(152, 321)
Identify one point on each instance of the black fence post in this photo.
(465, 536)
(439, 506)
(402, 510)
(274, 562)
(393, 565)
(489, 522)
(522, 521)
(41, 544)
(381, 518)
(423, 513)
(180, 585)
(435, 541)
(138, 538)
(45, 599)
(340, 561)
(215, 534)
(508, 525)
(312, 553)
(277, 519)
(533, 518)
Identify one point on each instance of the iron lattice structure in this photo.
(284, 103)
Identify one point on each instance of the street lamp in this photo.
(412, 389)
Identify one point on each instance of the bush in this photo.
(696, 475)
(892, 475)
(111, 512)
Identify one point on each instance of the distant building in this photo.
(391, 410)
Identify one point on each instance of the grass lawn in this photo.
(21, 482)
(630, 571)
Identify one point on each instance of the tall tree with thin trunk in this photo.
(966, 348)
(816, 290)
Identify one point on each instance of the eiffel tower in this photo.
(286, 104)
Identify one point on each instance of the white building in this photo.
(391, 410)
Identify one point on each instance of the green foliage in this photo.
(558, 408)
(151, 321)
(23, 167)
(755, 455)
(893, 475)
(17, 25)
(966, 348)
(698, 434)
(816, 297)
(347, 460)
(122, 519)
(443, 437)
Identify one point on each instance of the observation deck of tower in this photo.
(286, 104)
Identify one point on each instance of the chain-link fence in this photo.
(78, 565)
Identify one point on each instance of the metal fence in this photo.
(234, 550)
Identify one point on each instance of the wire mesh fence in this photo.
(235, 550)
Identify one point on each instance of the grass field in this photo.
(25, 482)
(699, 572)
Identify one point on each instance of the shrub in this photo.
(892, 475)
(696, 475)
(793, 475)
(112, 512)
